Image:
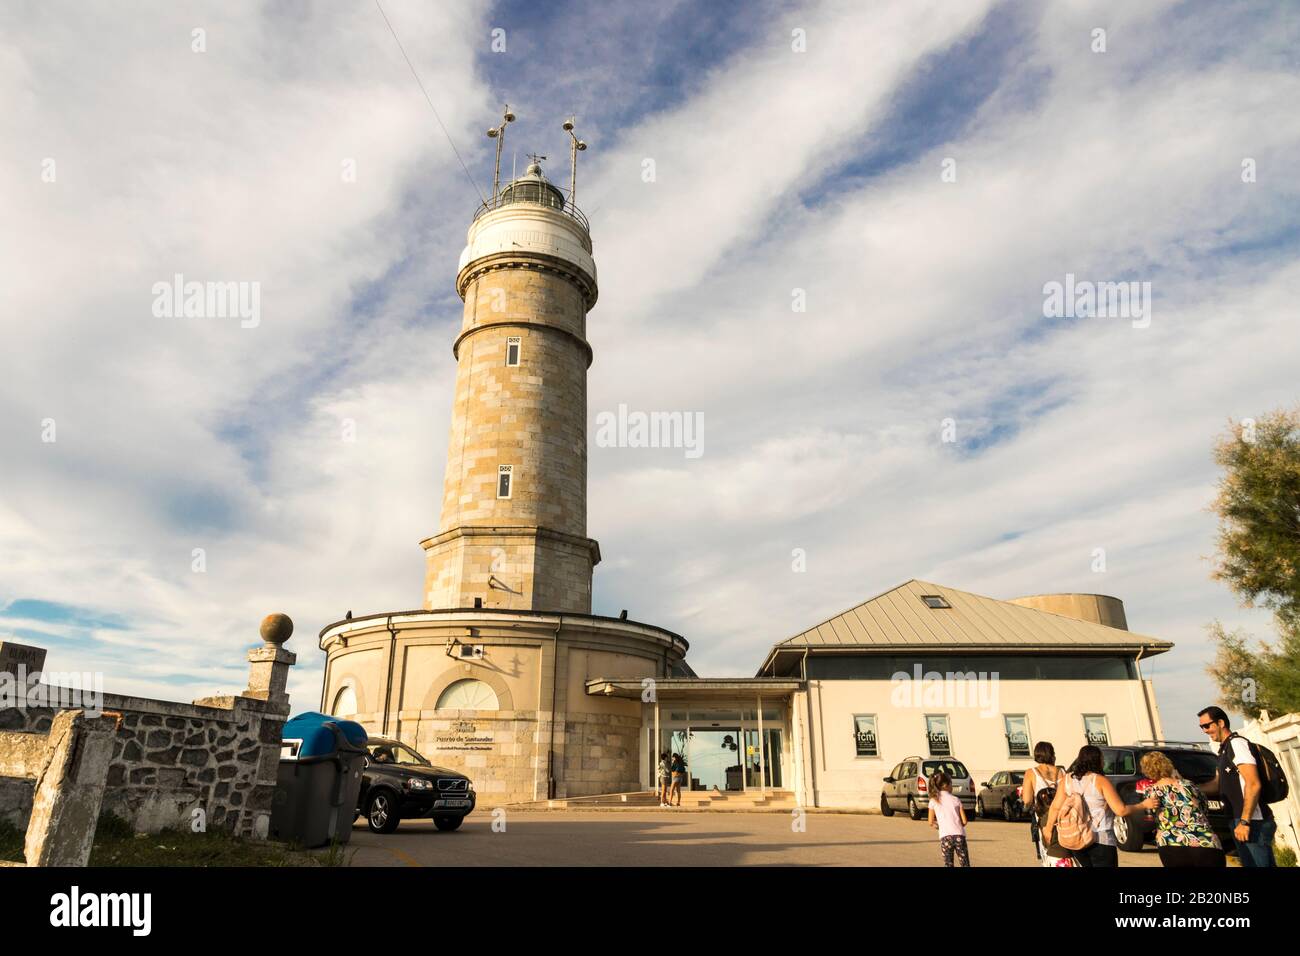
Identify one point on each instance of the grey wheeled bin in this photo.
(321, 759)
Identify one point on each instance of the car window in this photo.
(998, 780)
(1017, 776)
(953, 768)
(1117, 762)
(395, 753)
(1196, 767)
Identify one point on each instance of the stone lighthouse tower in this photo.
(513, 532)
(505, 673)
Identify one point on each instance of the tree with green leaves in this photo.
(1258, 505)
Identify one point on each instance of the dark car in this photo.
(1122, 764)
(398, 784)
(1001, 795)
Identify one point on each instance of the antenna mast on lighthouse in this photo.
(573, 160)
(498, 133)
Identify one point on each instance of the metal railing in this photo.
(568, 208)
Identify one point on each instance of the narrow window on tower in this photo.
(512, 350)
(505, 477)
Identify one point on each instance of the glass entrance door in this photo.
(770, 762)
(714, 760)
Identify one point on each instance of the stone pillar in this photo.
(69, 790)
(268, 675)
(268, 680)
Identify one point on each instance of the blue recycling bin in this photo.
(321, 760)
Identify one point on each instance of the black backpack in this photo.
(1272, 781)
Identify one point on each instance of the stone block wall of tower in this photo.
(532, 416)
(528, 550)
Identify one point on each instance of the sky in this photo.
(853, 213)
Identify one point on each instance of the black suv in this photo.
(1122, 764)
(399, 784)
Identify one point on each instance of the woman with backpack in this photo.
(1082, 815)
(1036, 794)
(1041, 779)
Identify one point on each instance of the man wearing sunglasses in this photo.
(1238, 783)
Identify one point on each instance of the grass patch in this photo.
(117, 844)
(1283, 855)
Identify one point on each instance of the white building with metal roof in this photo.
(920, 672)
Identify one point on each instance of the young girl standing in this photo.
(948, 816)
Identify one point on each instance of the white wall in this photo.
(1282, 736)
(1055, 709)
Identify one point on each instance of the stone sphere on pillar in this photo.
(276, 629)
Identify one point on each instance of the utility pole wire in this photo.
(433, 108)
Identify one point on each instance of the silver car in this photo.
(907, 786)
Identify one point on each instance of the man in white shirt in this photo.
(1238, 782)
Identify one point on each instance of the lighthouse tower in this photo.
(505, 673)
(513, 532)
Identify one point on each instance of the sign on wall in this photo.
(463, 735)
(936, 735)
(864, 735)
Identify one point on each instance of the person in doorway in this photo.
(1041, 778)
(1238, 782)
(663, 778)
(678, 770)
(1183, 833)
(948, 816)
(1103, 802)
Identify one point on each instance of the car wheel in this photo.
(448, 823)
(979, 808)
(913, 810)
(1007, 812)
(381, 813)
(1128, 835)
(885, 809)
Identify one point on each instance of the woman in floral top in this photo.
(1183, 834)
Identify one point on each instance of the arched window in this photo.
(468, 694)
(345, 702)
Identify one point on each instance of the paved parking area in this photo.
(675, 838)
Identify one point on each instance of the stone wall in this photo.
(219, 754)
(602, 753)
(170, 758)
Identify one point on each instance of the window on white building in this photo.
(513, 345)
(864, 735)
(505, 479)
(937, 736)
(1017, 729)
(1095, 730)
